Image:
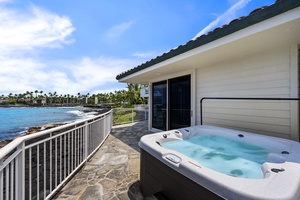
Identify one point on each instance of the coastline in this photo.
(32, 130)
(38, 128)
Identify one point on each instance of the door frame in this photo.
(176, 80)
(192, 74)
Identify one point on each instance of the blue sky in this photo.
(72, 46)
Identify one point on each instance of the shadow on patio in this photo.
(113, 172)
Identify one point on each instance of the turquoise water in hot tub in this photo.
(228, 156)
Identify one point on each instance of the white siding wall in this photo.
(298, 92)
(262, 75)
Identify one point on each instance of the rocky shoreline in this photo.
(32, 130)
(35, 129)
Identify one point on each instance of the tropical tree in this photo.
(72, 99)
(55, 97)
(78, 97)
(133, 93)
(36, 91)
(41, 94)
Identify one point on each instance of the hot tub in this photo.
(181, 174)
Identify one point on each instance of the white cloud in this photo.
(22, 34)
(90, 74)
(84, 75)
(20, 75)
(32, 29)
(224, 18)
(118, 30)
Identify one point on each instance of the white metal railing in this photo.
(36, 166)
(130, 115)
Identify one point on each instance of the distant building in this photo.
(41, 101)
(144, 92)
(84, 100)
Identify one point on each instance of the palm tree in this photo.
(78, 97)
(120, 96)
(16, 97)
(41, 93)
(68, 99)
(21, 97)
(72, 99)
(36, 91)
(111, 97)
(106, 98)
(46, 98)
(55, 97)
(31, 97)
(133, 93)
(50, 97)
(10, 96)
(101, 98)
(27, 96)
(92, 99)
(61, 99)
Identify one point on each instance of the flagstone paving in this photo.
(113, 172)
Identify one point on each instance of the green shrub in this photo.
(123, 116)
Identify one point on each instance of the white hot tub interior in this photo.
(276, 160)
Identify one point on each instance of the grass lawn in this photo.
(123, 116)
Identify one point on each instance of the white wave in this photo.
(83, 115)
(68, 107)
(91, 114)
(76, 112)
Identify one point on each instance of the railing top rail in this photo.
(18, 141)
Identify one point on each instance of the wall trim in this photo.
(294, 70)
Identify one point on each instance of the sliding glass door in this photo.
(159, 105)
(180, 102)
(171, 103)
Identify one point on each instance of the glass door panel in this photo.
(180, 102)
(159, 105)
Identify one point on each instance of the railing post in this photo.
(20, 172)
(132, 115)
(13, 174)
(1, 180)
(86, 140)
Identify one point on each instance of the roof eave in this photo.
(253, 18)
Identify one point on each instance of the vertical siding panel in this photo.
(266, 74)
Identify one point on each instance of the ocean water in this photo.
(222, 154)
(15, 120)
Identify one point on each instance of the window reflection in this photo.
(159, 106)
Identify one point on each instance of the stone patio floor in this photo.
(113, 172)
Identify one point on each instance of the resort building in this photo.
(256, 56)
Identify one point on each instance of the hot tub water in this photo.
(223, 154)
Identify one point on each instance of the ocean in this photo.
(15, 120)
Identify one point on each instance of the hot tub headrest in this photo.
(198, 130)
